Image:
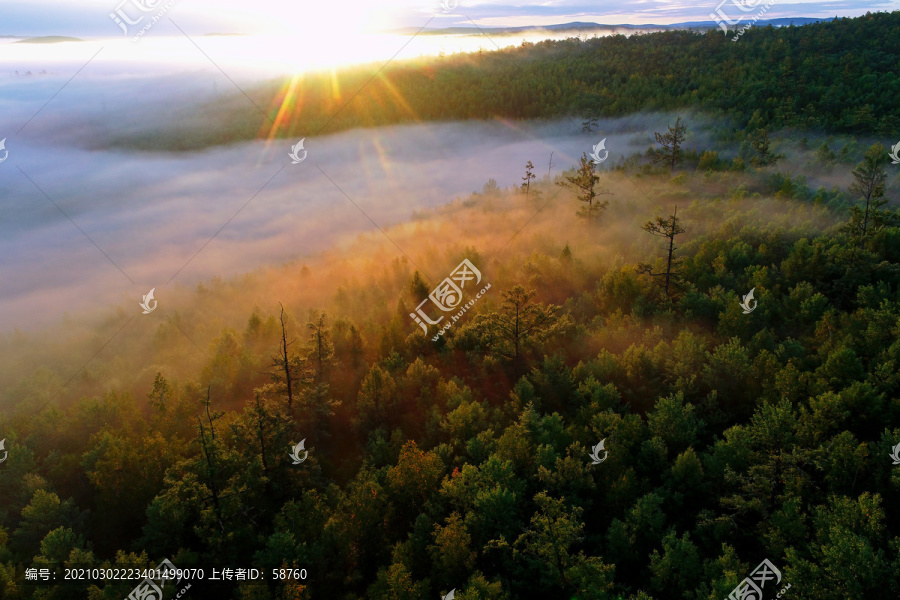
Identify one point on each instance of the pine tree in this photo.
(209, 447)
(869, 183)
(321, 350)
(670, 153)
(529, 175)
(667, 228)
(418, 289)
(760, 143)
(583, 183)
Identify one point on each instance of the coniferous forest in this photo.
(840, 76)
(685, 363)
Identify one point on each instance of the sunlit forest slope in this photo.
(464, 463)
(840, 74)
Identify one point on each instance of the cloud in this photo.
(90, 18)
(108, 225)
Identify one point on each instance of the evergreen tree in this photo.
(670, 152)
(529, 175)
(583, 182)
(869, 183)
(760, 143)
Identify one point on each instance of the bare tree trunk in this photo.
(671, 250)
(211, 472)
(262, 438)
(319, 356)
(862, 238)
(287, 366)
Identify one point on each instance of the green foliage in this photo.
(834, 74)
(670, 152)
(464, 464)
(760, 142)
(868, 188)
(583, 182)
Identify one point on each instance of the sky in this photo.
(91, 18)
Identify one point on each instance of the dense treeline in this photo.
(838, 75)
(463, 463)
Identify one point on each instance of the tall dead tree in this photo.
(282, 363)
(208, 447)
(666, 228)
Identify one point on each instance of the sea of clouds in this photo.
(85, 224)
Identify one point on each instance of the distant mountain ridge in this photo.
(48, 39)
(585, 26)
(573, 26)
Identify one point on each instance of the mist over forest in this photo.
(678, 360)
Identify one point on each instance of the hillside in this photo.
(840, 76)
(579, 432)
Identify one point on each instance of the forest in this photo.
(838, 75)
(720, 325)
